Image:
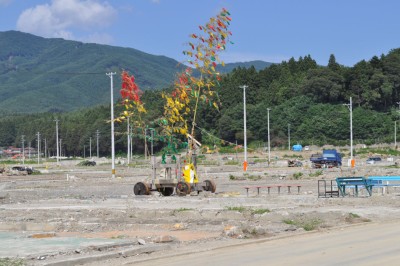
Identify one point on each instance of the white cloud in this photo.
(61, 17)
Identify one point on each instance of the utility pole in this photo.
(97, 142)
(23, 149)
(84, 149)
(29, 150)
(130, 137)
(60, 148)
(145, 144)
(58, 151)
(90, 147)
(244, 127)
(38, 147)
(395, 128)
(45, 148)
(350, 106)
(111, 74)
(128, 153)
(237, 159)
(288, 136)
(152, 137)
(269, 141)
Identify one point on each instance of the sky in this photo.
(268, 30)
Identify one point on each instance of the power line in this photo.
(62, 72)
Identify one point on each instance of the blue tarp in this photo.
(297, 147)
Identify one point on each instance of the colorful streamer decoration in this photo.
(131, 94)
(203, 56)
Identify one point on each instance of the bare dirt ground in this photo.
(86, 205)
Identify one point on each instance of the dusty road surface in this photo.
(371, 244)
(75, 215)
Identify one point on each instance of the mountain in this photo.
(56, 75)
(258, 65)
(40, 75)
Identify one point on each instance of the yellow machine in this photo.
(183, 179)
(190, 174)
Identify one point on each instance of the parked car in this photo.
(373, 160)
(23, 168)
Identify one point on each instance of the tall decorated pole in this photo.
(190, 90)
(134, 107)
(181, 105)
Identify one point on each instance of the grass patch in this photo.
(136, 164)
(260, 211)
(208, 162)
(11, 262)
(245, 177)
(298, 175)
(307, 225)
(243, 209)
(260, 161)
(355, 218)
(297, 156)
(183, 209)
(380, 151)
(252, 177)
(353, 215)
(232, 177)
(117, 237)
(232, 163)
(180, 210)
(238, 208)
(316, 173)
(18, 162)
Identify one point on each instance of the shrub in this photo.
(297, 176)
(307, 225)
(317, 173)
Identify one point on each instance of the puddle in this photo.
(21, 245)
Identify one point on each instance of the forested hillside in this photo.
(309, 97)
(57, 75)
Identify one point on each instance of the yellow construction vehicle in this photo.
(183, 179)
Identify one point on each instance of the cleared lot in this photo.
(85, 204)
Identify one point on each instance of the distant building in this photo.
(14, 152)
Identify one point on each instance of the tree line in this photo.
(305, 100)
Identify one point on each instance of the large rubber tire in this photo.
(166, 191)
(183, 188)
(210, 186)
(141, 189)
